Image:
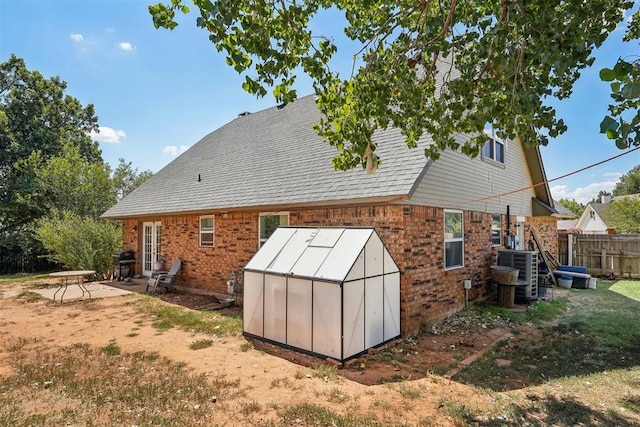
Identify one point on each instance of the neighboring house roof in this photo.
(562, 211)
(600, 208)
(567, 224)
(274, 159)
(593, 218)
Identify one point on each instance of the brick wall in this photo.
(414, 236)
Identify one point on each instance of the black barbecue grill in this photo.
(123, 263)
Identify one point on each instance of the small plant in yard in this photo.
(324, 371)
(111, 349)
(280, 382)
(246, 346)
(132, 334)
(336, 395)
(200, 344)
(383, 404)
(247, 408)
(409, 392)
(30, 296)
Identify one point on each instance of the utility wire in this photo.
(493, 196)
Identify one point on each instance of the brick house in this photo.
(442, 221)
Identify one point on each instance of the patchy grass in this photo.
(325, 372)
(537, 313)
(627, 288)
(111, 349)
(308, 414)
(200, 344)
(246, 346)
(77, 385)
(30, 296)
(601, 332)
(167, 316)
(21, 277)
(591, 354)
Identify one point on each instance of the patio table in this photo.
(73, 277)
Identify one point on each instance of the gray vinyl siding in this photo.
(454, 180)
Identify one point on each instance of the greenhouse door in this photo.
(151, 245)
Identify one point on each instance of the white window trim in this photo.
(212, 231)
(499, 230)
(494, 140)
(457, 239)
(260, 241)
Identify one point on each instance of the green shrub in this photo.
(80, 243)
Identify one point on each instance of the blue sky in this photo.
(157, 92)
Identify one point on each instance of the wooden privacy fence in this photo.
(615, 255)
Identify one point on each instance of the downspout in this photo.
(508, 245)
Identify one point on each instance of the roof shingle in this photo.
(267, 159)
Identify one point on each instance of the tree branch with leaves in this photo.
(436, 67)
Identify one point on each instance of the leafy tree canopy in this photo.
(441, 67)
(629, 183)
(576, 208)
(623, 124)
(623, 214)
(126, 179)
(68, 182)
(52, 174)
(35, 116)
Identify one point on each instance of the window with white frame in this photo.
(453, 239)
(269, 222)
(494, 148)
(207, 231)
(496, 230)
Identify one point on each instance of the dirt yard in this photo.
(406, 383)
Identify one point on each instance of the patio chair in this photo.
(163, 279)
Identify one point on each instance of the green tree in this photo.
(623, 125)
(629, 183)
(441, 67)
(75, 192)
(35, 116)
(623, 214)
(126, 179)
(80, 242)
(68, 182)
(573, 206)
(54, 183)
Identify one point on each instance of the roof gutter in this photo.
(268, 208)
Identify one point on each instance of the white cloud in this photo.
(126, 46)
(76, 37)
(615, 175)
(108, 135)
(174, 150)
(582, 194)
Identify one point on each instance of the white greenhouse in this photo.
(328, 291)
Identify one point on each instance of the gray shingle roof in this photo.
(268, 159)
(600, 209)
